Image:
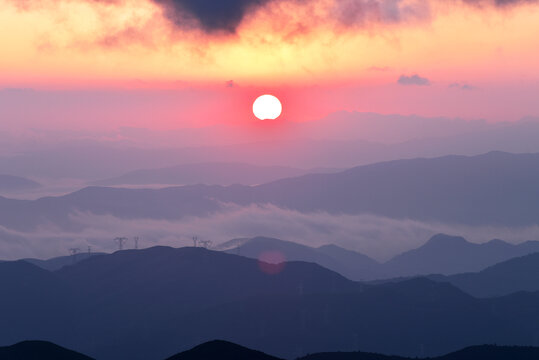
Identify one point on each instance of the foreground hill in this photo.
(34, 302)
(221, 350)
(149, 304)
(206, 173)
(59, 262)
(149, 296)
(492, 189)
(39, 350)
(485, 352)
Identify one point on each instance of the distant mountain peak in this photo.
(10, 183)
(445, 254)
(497, 242)
(446, 240)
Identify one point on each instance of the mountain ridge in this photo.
(451, 189)
(11, 183)
(154, 302)
(209, 173)
(441, 254)
(514, 275)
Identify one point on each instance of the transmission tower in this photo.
(205, 243)
(120, 241)
(74, 252)
(136, 239)
(195, 239)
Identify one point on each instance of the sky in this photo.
(167, 64)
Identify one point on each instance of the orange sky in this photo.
(284, 45)
(84, 43)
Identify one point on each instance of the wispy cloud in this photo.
(413, 80)
(376, 236)
(461, 86)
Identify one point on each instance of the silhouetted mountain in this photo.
(59, 262)
(207, 173)
(397, 318)
(357, 266)
(9, 183)
(350, 264)
(159, 287)
(221, 350)
(444, 254)
(519, 274)
(484, 352)
(496, 188)
(39, 350)
(169, 203)
(490, 352)
(351, 356)
(152, 303)
(224, 350)
(34, 302)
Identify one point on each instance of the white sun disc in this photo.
(267, 107)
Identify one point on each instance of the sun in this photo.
(267, 107)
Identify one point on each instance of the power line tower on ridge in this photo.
(120, 241)
(74, 252)
(206, 244)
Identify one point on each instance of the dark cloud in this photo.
(500, 3)
(230, 84)
(210, 15)
(413, 80)
(226, 15)
(363, 12)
